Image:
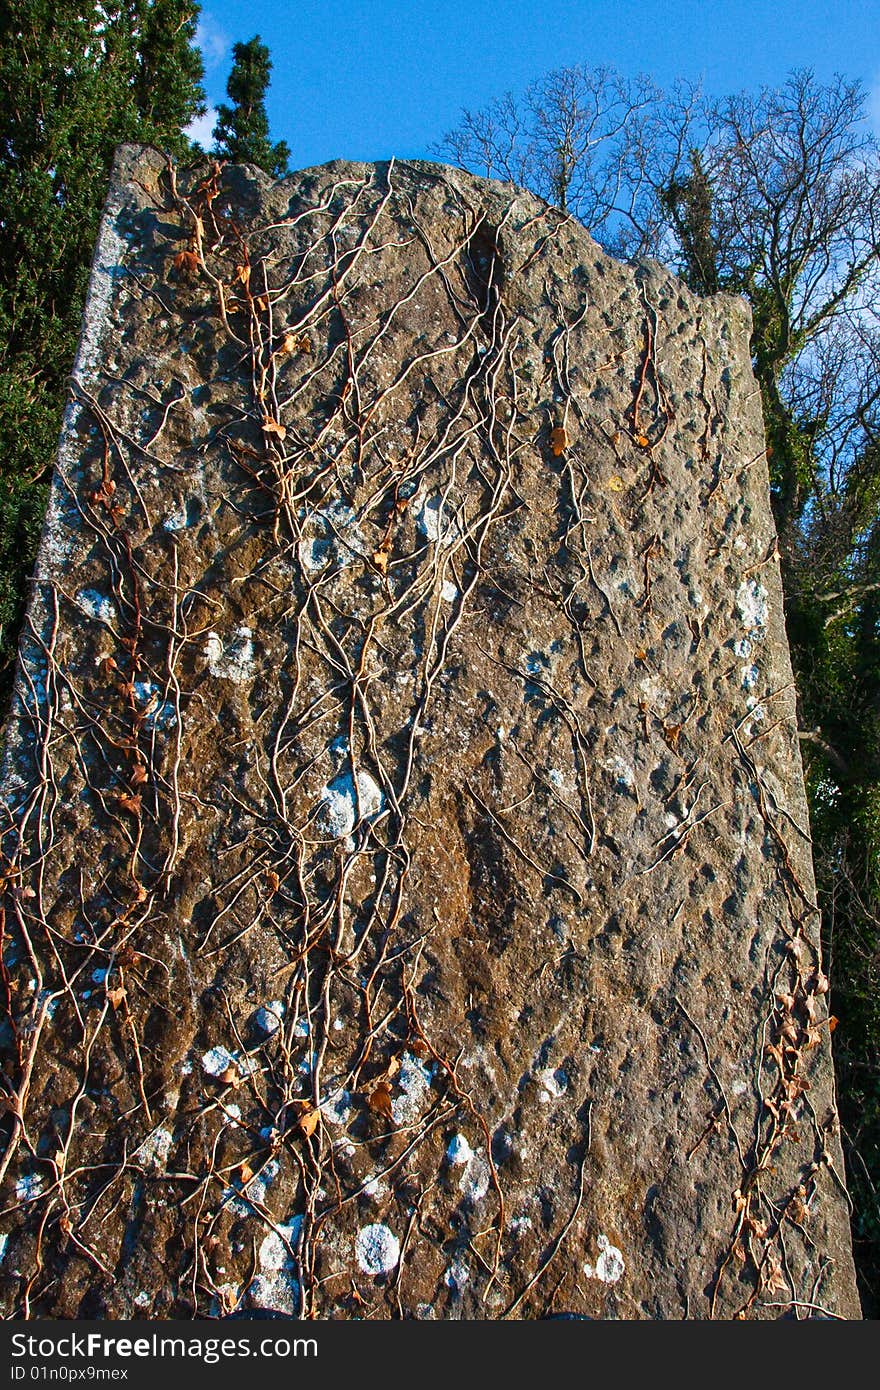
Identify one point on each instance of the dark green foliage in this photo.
(689, 202)
(77, 80)
(242, 130)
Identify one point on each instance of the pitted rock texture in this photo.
(409, 906)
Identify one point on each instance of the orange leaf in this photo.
(380, 560)
(186, 262)
(243, 274)
(138, 775)
(245, 1172)
(116, 996)
(131, 804)
(379, 1100)
(559, 440)
(273, 880)
(273, 427)
(308, 1121)
(643, 441)
(262, 302)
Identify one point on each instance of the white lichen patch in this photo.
(656, 693)
(232, 662)
(458, 1150)
(217, 1060)
(377, 1249)
(331, 536)
(178, 520)
(243, 1199)
(158, 713)
(268, 1018)
(474, 1181)
(153, 1152)
(610, 1265)
(553, 1083)
(28, 1187)
(343, 807)
(277, 1293)
(752, 606)
(750, 676)
(107, 270)
(278, 1247)
(449, 592)
(457, 1275)
(314, 555)
(519, 1223)
(96, 604)
(435, 523)
(336, 1107)
(414, 1084)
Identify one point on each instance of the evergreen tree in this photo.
(77, 81)
(242, 130)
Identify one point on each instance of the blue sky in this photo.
(365, 79)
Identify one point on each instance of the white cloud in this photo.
(213, 40)
(201, 129)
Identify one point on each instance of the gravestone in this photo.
(408, 897)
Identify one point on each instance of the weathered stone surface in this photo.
(409, 906)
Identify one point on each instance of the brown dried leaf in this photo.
(309, 1121)
(245, 1173)
(138, 775)
(186, 263)
(774, 1280)
(132, 804)
(116, 996)
(380, 560)
(271, 426)
(243, 274)
(559, 440)
(379, 1100)
(273, 881)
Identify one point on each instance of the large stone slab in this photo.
(409, 906)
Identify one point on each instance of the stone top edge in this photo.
(132, 158)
